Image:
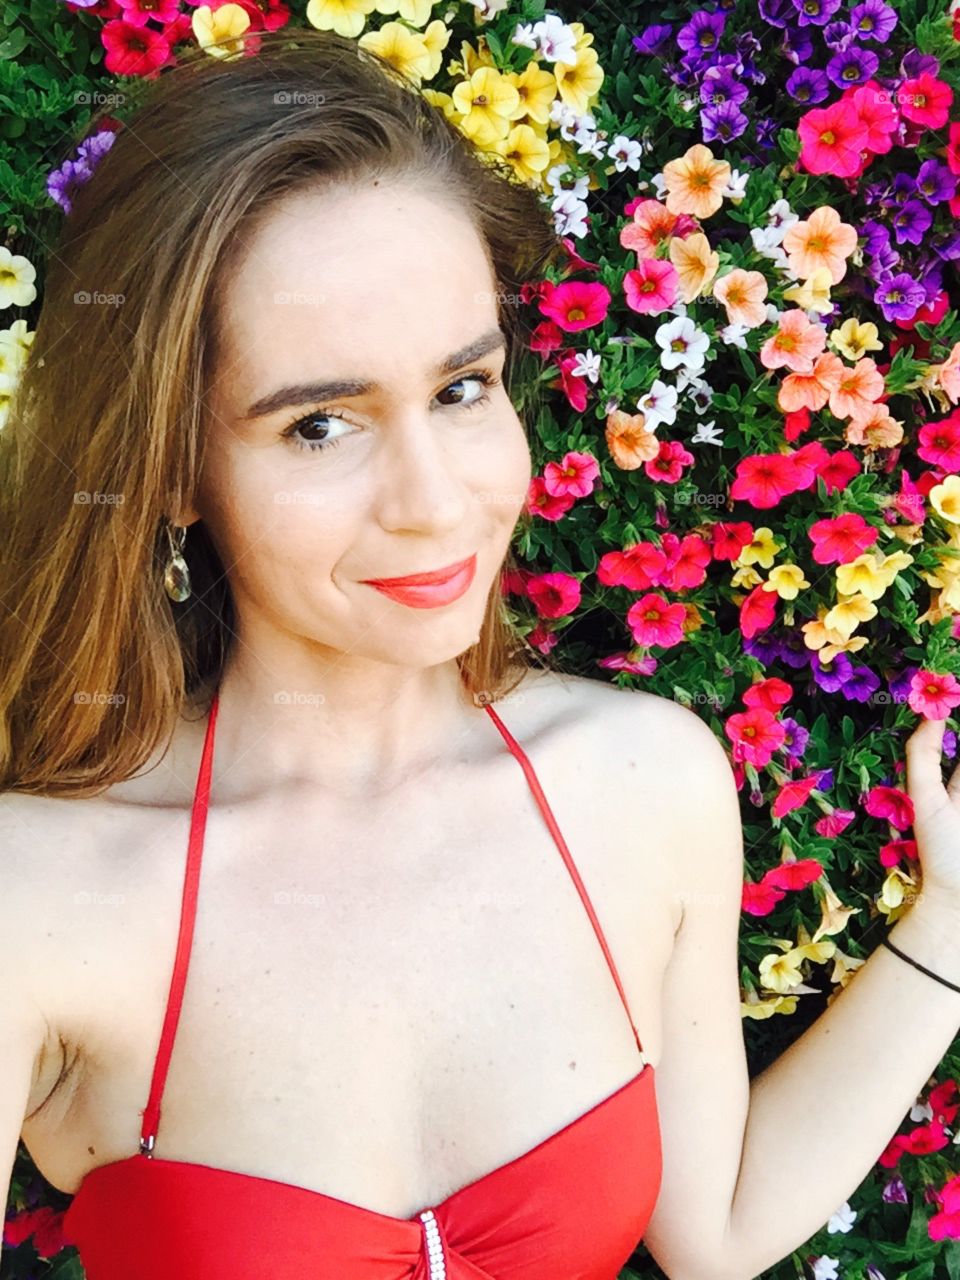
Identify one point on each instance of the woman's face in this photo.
(405, 462)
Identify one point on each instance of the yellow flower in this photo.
(402, 48)
(786, 580)
(435, 39)
(866, 574)
(760, 1010)
(812, 294)
(346, 17)
(579, 82)
(220, 31)
(8, 383)
(488, 102)
(444, 102)
(582, 38)
(526, 151)
(555, 152)
(695, 181)
(17, 275)
(854, 339)
(695, 263)
(846, 616)
(15, 344)
(471, 59)
(746, 577)
(945, 499)
(761, 550)
(819, 635)
(416, 12)
(537, 89)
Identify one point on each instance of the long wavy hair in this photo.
(105, 432)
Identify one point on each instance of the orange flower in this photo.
(742, 294)
(628, 440)
(821, 241)
(858, 388)
(811, 390)
(877, 429)
(948, 374)
(695, 263)
(796, 344)
(652, 224)
(695, 181)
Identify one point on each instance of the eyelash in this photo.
(484, 376)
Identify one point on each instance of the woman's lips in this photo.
(428, 590)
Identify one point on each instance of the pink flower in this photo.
(651, 287)
(792, 795)
(940, 443)
(877, 114)
(758, 611)
(541, 503)
(764, 479)
(687, 561)
(755, 735)
(840, 539)
(541, 639)
(576, 304)
(771, 693)
(933, 695)
(668, 465)
(653, 621)
(574, 476)
(832, 139)
(890, 803)
(636, 568)
(554, 595)
(925, 100)
(833, 823)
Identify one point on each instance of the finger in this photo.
(924, 753)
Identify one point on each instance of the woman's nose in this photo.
(421, 483)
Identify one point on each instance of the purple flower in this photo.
(935, 182)
(776, 13)
(895, 1192)
(765, 132)
(833, 675)
(725, 122)
(874, 235)
(651, 38)
(797, 45)
(873, 20)
(914, 63)
(946, 245)
(75, 172)
(902, 189)
(852, 66)
(702, 33)
(862, 685)
(899, 297)
(837, 35)
(719, 86)
(808, 86)
(815, 12)
(910, 222)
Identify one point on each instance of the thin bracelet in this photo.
(928, 972)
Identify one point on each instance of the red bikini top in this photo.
(576, 1204)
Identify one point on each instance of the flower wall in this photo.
(743, 398)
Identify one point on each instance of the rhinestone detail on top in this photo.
(434, 1245)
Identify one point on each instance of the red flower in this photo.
(763, 479)
(669, 463)
(133, 50)
(554, 595)
(730, 539)
(771, 693)
(541, 503)
(793, 794)
(636, 568)
(890, 803)
(687, 561)
(545, 338)
(839, 469)
(758, 611)
(940, 443)
(841, 539)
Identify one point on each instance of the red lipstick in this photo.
(428, 590)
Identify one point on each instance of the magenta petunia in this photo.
(576, 304)
(651, 286)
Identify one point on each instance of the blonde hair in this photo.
(96, 662)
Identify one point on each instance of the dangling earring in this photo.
(176, 576)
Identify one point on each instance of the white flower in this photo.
(658, 405)
(557, 41)
(625, 152)
(781, 216)
(707, 433)
(682, 344)
(524, 36)
(773, 313)
(699, 392)
(766, 240)
(736, 187)
(733, 335)
(487, 9)
(569, 214)
(579, 188)
(593, 145)
(17, 275)
(586, 365)
(825, 1268)
(842, 1219)
(659, 184)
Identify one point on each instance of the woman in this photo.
(425, 1002)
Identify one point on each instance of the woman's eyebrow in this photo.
(310, 392)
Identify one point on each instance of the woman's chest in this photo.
(419, 985)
